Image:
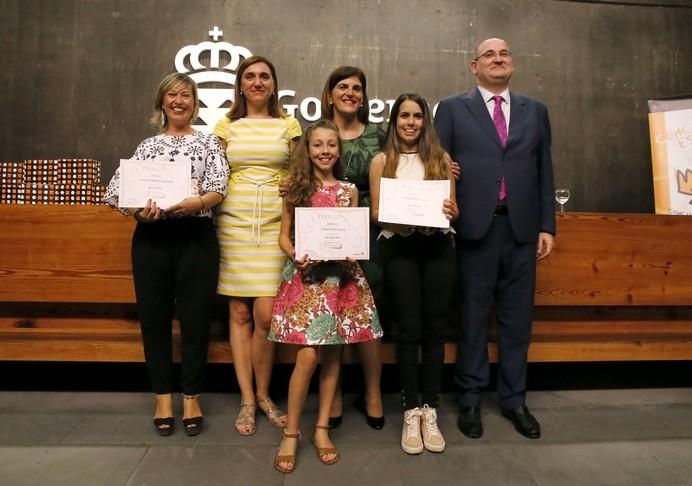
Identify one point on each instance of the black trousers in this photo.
(175, 264)
(501, 271)
(419, 274)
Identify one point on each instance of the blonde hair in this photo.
(302, 180)
(158, 117)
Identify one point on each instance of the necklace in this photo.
(352, 142)
(350, 157)
(348, 165)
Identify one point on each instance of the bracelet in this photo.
(201, 201)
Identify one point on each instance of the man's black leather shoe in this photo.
(525, 423)
(470, 422)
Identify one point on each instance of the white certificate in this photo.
(332, 233)
(165, 183)
(413, 202)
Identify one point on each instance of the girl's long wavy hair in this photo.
(302, 180)
(435, 159)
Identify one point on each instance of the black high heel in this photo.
(335, 422)
(375, 422)
(164, 431)
(193, 426)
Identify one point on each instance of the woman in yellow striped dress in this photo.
(259, 138)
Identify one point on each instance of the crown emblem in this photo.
(210, 64)
(685, 182)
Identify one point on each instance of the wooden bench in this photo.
(618, 287)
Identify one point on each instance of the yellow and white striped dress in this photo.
(249, 218)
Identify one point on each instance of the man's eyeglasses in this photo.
(490, 55)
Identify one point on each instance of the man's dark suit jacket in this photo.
(467, 133)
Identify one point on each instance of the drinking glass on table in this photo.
(562, 196)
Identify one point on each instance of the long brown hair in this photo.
(158, 117)
(339, 74)
(302, 180)
(239, 107)
(435, 159)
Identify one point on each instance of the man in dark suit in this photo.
(506, 222)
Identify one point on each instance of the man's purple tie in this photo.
(501, 127)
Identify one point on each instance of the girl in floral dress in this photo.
(319, 305)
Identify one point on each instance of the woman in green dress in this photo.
(345, 102)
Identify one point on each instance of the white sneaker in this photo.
(411, 440)
(432, 437)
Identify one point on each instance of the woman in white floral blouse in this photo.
(175, 253)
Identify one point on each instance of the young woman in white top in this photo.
(419, 269)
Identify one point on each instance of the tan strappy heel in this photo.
(326, 451)
(287, 458)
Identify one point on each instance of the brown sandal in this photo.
(274, 415)
(326, 451)
(245, 423)
(288, 458)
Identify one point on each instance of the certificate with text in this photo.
(165, 183)
(413, 202)
(332, 233)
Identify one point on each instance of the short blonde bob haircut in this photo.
(173, 80)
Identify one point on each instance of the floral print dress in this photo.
(331, 303)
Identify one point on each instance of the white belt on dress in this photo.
(259, 198)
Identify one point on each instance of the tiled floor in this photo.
(612, 437)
